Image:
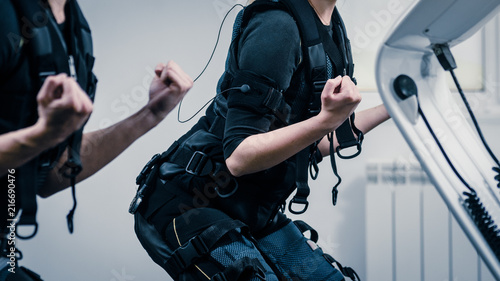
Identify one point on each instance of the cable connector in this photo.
(444, 56)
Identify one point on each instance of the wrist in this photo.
(326, 123)
(39, 136)
(149, 117)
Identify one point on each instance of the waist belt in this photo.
(198, 163)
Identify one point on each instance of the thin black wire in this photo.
(476, 209)
(462, 95)
(205, 68)
(441, 148)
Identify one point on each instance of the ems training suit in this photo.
(189, 222)
(20, 83)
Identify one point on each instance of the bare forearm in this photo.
(263, 151)
(365, 121)
(99, 148)
(370, 118)
(19, 147)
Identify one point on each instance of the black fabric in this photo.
(32, 47)
(242, 270)
(232, 250)
(304, 227)
(199, 245)
(269, 36)
(251, 53)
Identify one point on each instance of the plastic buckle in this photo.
(176, 263)
(147, 168)
(199, 246)
(136, 202)
(300, 202)
(196, 163)
(335, 195)
(315, 102)
(184, 256)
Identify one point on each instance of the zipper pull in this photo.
(72, 68)
(344, 73)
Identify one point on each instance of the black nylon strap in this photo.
(195, 162)
(199, 246)
(346, 271)
(28, 191)
(303, 190)
(303, 227)
(344, 132)
(336, 56)
(263, 94)
(345, 136)
(345, 43)
(306, 15)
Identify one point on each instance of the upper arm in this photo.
(269, 49)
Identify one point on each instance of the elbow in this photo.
(235, 167)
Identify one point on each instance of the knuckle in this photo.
(330, 82)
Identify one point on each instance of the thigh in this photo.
(204, 244)
(296, 257)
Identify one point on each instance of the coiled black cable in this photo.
(477, 211)
(472, 203)
(484, 222)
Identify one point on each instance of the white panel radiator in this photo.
(410, 234)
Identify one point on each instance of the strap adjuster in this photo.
(184, 256)
(197, 164)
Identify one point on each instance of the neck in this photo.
(324, 9)
(57, 7)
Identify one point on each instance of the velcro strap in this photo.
(262, 98)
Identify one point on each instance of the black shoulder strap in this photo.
(316, 42)
(38, 29)
(35, 31)
(36, 35)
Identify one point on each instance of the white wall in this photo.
(130, 37)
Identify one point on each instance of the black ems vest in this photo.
(46, 51)
(195, 162)
(319, 51)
